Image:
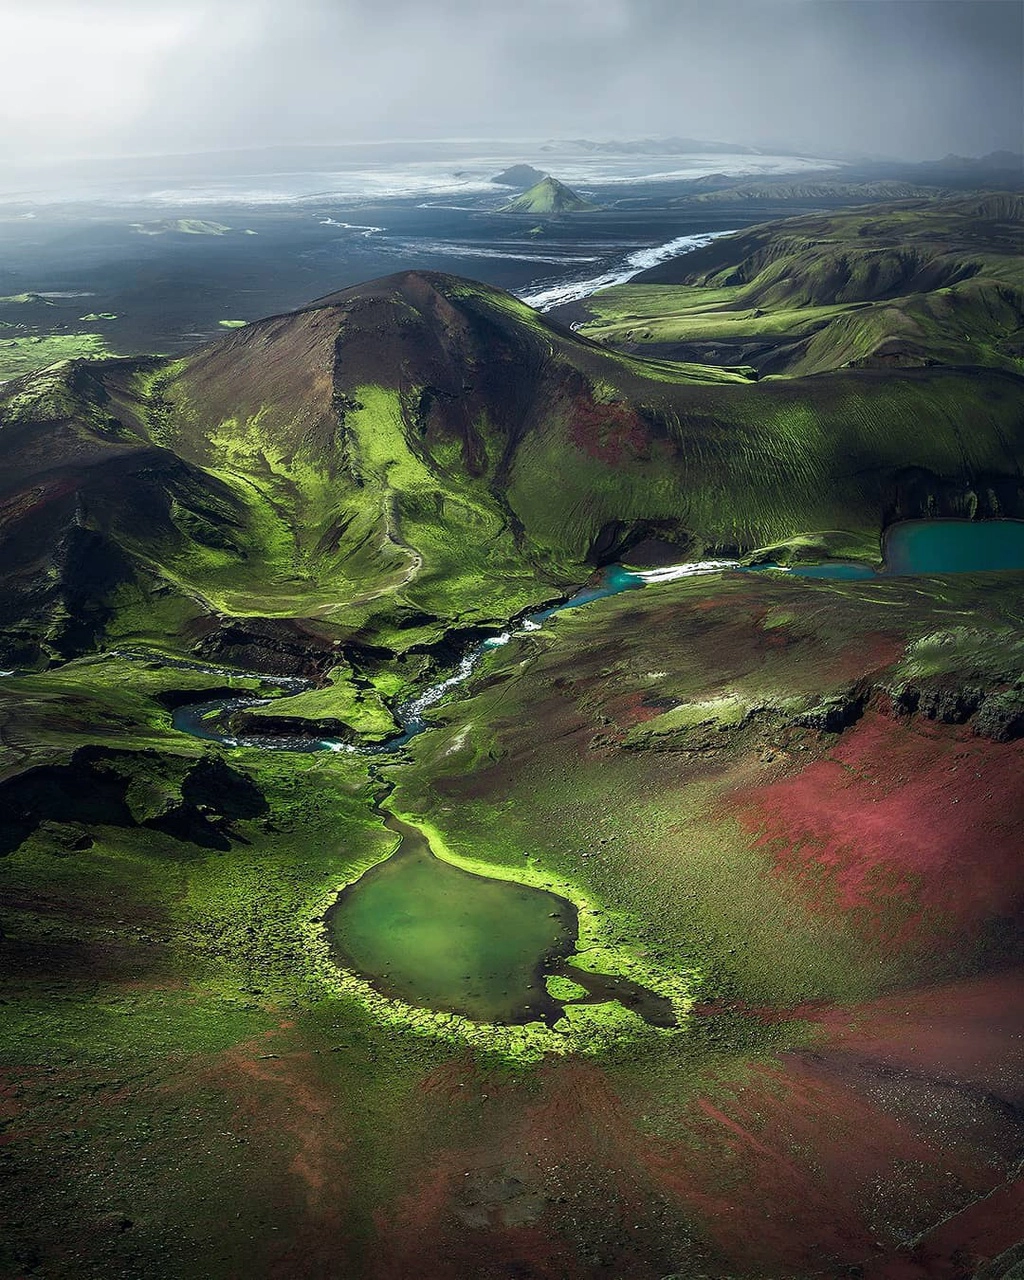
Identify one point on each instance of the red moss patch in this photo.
(972, 1031)
(782, 1174)
(301, 1163)
(922, 818)
(873, 651)
(611, 433)
(629, 709)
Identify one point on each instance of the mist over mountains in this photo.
(911, 80)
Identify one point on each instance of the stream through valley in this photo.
(424, 931)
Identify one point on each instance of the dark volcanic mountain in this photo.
(423, 448)
(520, 176)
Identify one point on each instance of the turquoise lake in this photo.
(954, 546)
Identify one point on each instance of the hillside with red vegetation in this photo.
(786, 810)
(893, 813)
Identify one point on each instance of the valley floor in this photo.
(785, 791)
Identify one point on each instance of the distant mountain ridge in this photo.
(994, 161)
(809, 190)
(654, 147)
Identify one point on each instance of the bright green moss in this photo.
(964, 651)
(816, 548)
(23, 355)
(548, 196)
(564, 988)
(718, 713)
(345, 699)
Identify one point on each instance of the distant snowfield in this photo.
(612, 170)
(563, 291)
(454, 171)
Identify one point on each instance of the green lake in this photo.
(437, 937)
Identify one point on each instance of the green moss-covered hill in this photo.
(548, 196)
(423, 452)
(820, 190)
(910, 284)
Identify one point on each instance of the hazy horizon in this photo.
(908, 79)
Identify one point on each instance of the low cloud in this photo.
(916, 78)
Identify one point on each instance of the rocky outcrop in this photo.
(274, 646)
(249, 724)
(948, 703)
(997, 714)
(191, 800)
(835, 714)
(1001, 717)
(917, 493)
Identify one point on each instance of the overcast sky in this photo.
(910, 78)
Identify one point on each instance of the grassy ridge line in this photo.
(907, 284)
(976, 324)
(754, 464)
